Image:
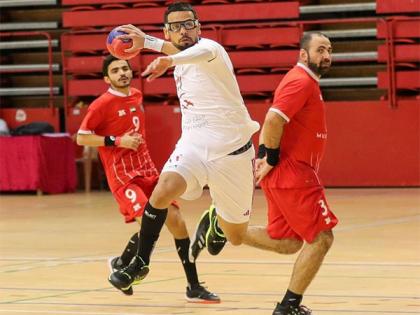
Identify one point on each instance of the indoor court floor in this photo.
(54, 248)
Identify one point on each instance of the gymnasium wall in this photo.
(369, 144)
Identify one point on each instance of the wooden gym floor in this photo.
(53, 253)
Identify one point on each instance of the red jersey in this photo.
(115, 114)
(299, 101)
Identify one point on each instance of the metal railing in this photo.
(50, 59)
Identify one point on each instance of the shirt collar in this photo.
(309, 71)
(116, 93)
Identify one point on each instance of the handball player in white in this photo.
(215, 147)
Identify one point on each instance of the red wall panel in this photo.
(401, 29)
(403, 79)
(213, 13)
(400, 6)
(370, 144)
(163, 129)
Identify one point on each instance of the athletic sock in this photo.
(151, 225)
(292, 299)
(130, 250)
(182, 247)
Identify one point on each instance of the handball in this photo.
(116, 46)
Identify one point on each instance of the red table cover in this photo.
(41, 162)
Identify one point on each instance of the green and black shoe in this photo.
(124, 278)
(215, 239)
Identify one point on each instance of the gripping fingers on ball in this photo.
(128, 28)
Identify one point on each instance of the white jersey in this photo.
(215, 121)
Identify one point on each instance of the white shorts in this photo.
(230, 180)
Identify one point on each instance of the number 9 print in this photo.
(132, 196)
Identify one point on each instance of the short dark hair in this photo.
(179, 6)
(307, 37)
(107, 61)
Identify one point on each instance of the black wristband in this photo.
(261, 151)
(109, 141)
(273, 156)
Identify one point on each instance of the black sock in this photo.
(130, 250)
(292, 299)
(182, 247)
(151, 225)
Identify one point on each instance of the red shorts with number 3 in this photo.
(133, 196)
(300, 213)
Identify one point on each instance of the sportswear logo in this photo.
(246, 213)
(148, 214)
(121, 112)
(137, 207)
(187, 103)
(217, 241)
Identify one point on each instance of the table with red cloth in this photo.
(44, 163)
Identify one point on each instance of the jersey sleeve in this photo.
(93, 118)
(203, 51)
(291, 97)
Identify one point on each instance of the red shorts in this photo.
(133, 196)
(300, 213)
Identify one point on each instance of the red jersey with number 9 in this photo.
(116, 114)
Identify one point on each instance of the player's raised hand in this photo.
(157, 67)
(131, 141)
(262, 168)
(133, 33)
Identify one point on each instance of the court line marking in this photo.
(75, 312)
(112, 290)
(195, 307)
(222, 261)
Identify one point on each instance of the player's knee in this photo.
(325, 240)
(162, 195)
(236, 239)
(292, 247)
(168, 188)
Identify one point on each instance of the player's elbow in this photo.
(274, 120)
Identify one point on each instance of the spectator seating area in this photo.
(52, 51)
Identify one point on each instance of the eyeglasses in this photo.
(176, 26)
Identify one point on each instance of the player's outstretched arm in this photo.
(127, 141)
(193, 55)
(142, 40)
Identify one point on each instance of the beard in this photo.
(185, 45)
(318, 69)
(120, 84)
